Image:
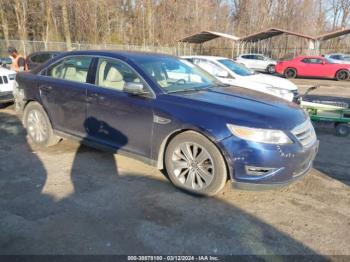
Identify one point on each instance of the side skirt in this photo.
(103, 147)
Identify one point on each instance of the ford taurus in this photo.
(169, 113)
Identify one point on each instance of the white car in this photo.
(338, 58)
(232, 73)
(7, 81)
(257, 62)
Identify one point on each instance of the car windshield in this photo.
(346, 58)
(176, 75)
(236, 68)
(329, 61)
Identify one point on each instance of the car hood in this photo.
(242, 106)
(5, 71)
(274, 81)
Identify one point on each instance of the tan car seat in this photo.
(114, 78)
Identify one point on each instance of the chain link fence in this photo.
(28, 47)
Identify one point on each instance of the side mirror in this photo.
(134, 88)
(223, 74)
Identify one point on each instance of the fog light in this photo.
(258, 171)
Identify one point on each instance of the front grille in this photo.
(295, 92)
(305, 133)
(296, 97)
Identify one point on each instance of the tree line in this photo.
(162, 22)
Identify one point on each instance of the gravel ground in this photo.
(71, 199)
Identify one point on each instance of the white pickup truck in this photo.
(7, 81)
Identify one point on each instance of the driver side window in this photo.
(259, 57)
(114, 74)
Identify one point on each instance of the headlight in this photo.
(12, 76)
(268, 136)
(279, 92)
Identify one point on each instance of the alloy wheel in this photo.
(36, 126)
(193, 166)
(290, 73)
(342, 75)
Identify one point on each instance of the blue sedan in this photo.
(169, 113)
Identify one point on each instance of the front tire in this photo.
(290, 73)
(38, 125)
(195, 164)
(342, 75)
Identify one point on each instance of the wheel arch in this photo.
(29, 101)
(342, 69)
(172, 135)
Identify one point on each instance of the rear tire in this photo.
(194, 164)
(271, 69)
(38, 125)
(342, 129)
(342, 75)
(290, 73)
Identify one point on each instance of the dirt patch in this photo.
(71, 199)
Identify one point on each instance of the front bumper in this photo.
(281, 164)
(6, 97)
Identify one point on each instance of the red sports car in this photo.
(313, 66)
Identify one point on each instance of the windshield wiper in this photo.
(182, 90)
(223, 85)
(191, 89)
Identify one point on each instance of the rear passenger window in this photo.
(114, 74)
(71, 68)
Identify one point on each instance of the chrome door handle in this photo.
(45, 88)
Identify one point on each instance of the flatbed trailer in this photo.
(336, 113)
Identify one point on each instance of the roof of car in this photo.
(120, 53)
(6, 71)
(335, 54)
(46, 52)
(252, 54)
(301, 57)
(213, 58)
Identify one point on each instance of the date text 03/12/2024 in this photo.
(173, 258)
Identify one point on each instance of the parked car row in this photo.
(331, 66)
(233, 73)
(172, 114)
(313, 66)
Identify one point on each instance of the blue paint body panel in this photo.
(126, 122)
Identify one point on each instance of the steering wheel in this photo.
(179, 81)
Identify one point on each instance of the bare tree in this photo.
(66, 28)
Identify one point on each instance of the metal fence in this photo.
(27, 47)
